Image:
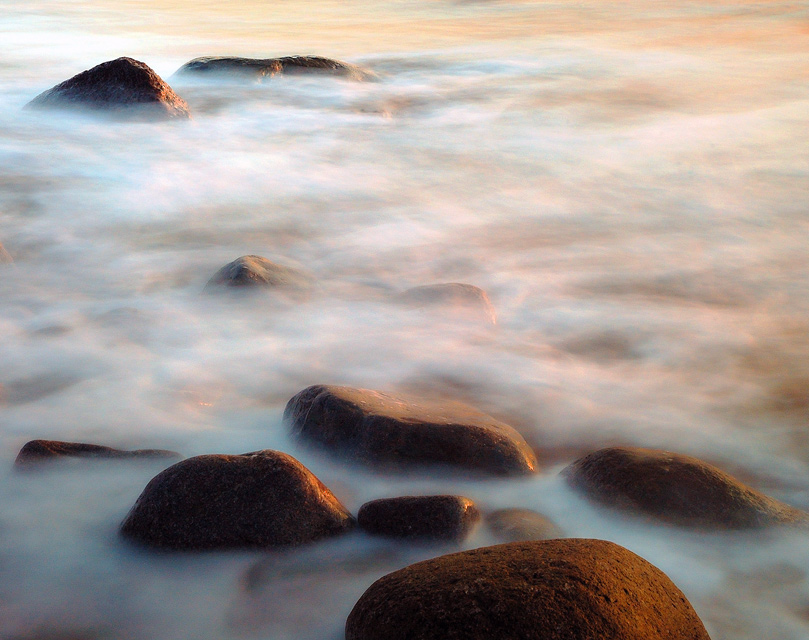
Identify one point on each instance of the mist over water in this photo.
(628, 181)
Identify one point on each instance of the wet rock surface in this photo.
(675, 489)
(461, 300)
(420, 517)
(261, 68)
(261, 499)
(124, 87)
(36, 452)
(566, 589)
(515, 525)
(378, 428)
(256, 272)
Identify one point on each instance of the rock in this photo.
(567, 589)
(515, 525)
(36, 452)
(260, 499)
(260, 68)
(676, 489)
(5, 256)
(426, 517)
(401, 430)
(463, 300)
(258, 272)
(124, 87)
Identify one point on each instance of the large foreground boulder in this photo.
(260, 68)
(35, 452)
(676, 489)
(256, 272)
(566, 589)
(420, 517)
(462, 301)
(378, 428)
(123, 87)
(261, 499)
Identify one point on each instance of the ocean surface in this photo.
(629, 181)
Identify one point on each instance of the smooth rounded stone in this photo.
(260, 68)
(515, 525)
(564, 589)
(250, 272)
(5, 256)
(424, 517)
(465, 300)
(36, 452)
(382, 429)
(123, 87)
(260, 499)
(675, 489)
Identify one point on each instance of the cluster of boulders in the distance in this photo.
(539, 586)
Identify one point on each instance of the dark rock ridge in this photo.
(676, 489)
(5, 256)
(38, 451)
(379, 428)
(461, 299)
(124, 87)
(261, 499)
(260, 68)
(515, 525)
(566, 589)
(258, 272)
(425, 517)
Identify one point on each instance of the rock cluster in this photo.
(36, 452)
(260, 68)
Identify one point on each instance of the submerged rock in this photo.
(123, 87)
(261, 499)
(258, 272)
(464, 300)
(36, 452)
(425, 517)
(676, 489)
(516, 525)
(571, 589)
(260, 68)
(377, 428)
(5, 256)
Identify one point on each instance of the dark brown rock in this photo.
(676, 489)
(425, 517)
(36, 452)
(123, 87)
(378, 428)
(566, 589)
(261, 499)
(259, 273)
(516, 525)
(260, 68)
(463, 300)
(5, 256)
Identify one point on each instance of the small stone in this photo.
(5, 256)
(567, 589)
(36, 452)
(401, 430)
(263, 499)
(426, 517)
(463, 300)
(515, 525)
(675, 489)
(125, 87)
(261, 68)
(257, 272)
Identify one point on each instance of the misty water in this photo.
(628, 181)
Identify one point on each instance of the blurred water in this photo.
(629, 182)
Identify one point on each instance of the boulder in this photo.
(565, 589)
(260, 68)
(675, 489)
(123, 87)
(425, 517)
(261, 499)
(5, 256)
(461, 300)
(255, 272)
(515, 525)
(36, 452)
(378, 428)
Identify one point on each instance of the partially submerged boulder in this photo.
(566, 589)
(36, 452)
(397, 430)
(256, 272)
(5, 256)
(261, 499)
(123, 87)
(676, 489)
(422, 517)
(459, 299)
(515, 525)
(260, 68)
